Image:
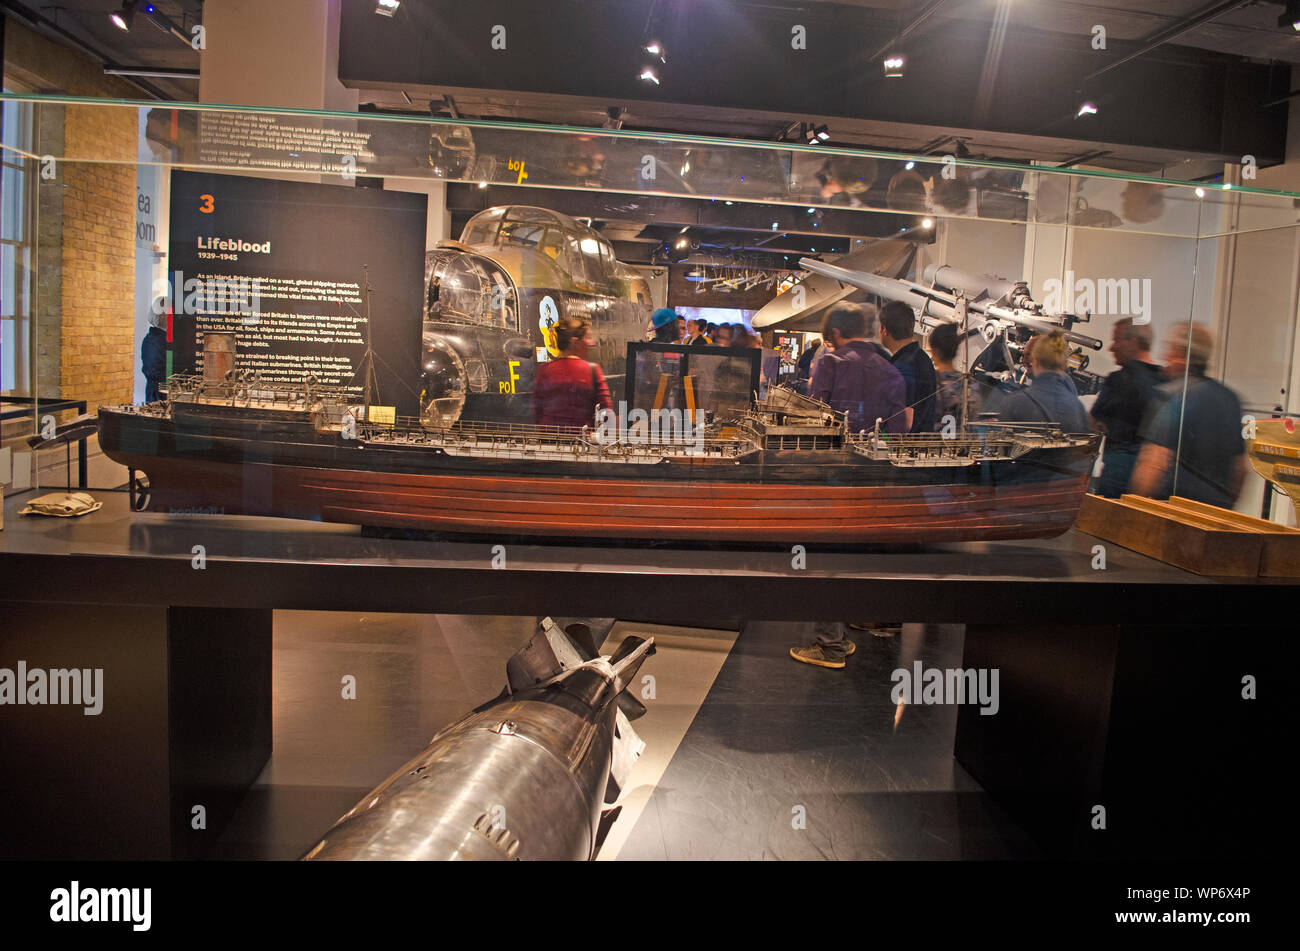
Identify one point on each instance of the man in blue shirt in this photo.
(1201, 429)
(897, 333)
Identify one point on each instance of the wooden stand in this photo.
(1200, 538)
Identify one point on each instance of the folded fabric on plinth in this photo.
(62, 504)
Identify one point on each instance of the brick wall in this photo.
(98, 294)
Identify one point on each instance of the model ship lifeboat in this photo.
(1275, 454)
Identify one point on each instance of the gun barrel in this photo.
(973, 286)
(939, 303)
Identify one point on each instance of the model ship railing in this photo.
(247, 389)
(527, 440)
(992, 442)
(335, 409)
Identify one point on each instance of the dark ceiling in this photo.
(85, 25)
(1250, 32)
(1247, 34)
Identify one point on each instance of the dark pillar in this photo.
(1148, 722)
(185, 721)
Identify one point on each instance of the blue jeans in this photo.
(1116, 470)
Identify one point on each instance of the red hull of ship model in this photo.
(620, 508)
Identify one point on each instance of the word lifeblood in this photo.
(233, 244)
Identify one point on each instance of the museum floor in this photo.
(741, 741)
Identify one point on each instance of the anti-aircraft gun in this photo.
(999, 316)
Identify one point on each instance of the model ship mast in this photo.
(371, 385)
(962, 321)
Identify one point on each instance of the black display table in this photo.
(1090, 659)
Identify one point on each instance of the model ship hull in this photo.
(250, 466)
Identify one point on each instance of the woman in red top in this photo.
(568, 390)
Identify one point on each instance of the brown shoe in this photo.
(818, 656)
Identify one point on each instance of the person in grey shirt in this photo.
(1211, 460)
(1127, 399)
(1051, 398)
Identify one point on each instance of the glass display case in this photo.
(309, 382)
(120, 217)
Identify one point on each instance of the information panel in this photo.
(284, 266)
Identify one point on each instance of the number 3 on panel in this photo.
(206, 204)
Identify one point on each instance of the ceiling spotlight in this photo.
(386, 8)
(909, 166)
(1200, 193)
(1086, 109)
(649, 76)
(1290, 16)
(482, 184)
(774, 226)
(894, 64)
(812, 211)
(815, 135)
(655, 48)
(927, 222)
(122, 18)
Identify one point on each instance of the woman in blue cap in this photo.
(664, 321)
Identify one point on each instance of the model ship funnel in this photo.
(218, 356)
(525, 776)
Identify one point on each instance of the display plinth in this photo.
(1129, 741)
(182, 730)
(1088, 703)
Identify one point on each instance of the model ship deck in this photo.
(787, 471)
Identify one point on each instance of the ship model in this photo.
(787, 470)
